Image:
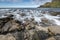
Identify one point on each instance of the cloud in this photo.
(13, 1)
(37, 2)
(21, 1)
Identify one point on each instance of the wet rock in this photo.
(23, 14)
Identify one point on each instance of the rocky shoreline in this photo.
(11, 29)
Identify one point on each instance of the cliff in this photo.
(53, 4)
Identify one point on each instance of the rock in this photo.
(7, 37)
(15, 26)
(31, 33)
(23, 14)
(19, 35)
(51, 38)
(57, 37)
(41, 28)
(46, 22)
(4, 20)
(11, 29)
(55, 13)
(40, 35)
(30, 26)
(54, 29)
(26, 35)
(11, 26)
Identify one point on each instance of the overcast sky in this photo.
(22, 3)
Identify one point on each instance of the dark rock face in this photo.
(55, 13)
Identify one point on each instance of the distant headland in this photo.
(52, 4)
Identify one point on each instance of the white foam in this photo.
(3, 16)
(54, 18)
(57, 21)
(34, 14)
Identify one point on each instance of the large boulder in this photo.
(4, 20)
(7, 37)
(54, 29)
(9, 25)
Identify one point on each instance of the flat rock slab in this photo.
(54, 29)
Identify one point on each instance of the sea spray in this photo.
(35, 14)
(54, 18)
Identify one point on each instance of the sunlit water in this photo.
(37, 14)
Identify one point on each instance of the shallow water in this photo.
(36, 13)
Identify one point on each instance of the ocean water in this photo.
(37, 14)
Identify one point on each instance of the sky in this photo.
(22, 3)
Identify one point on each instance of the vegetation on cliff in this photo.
(53, 4)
